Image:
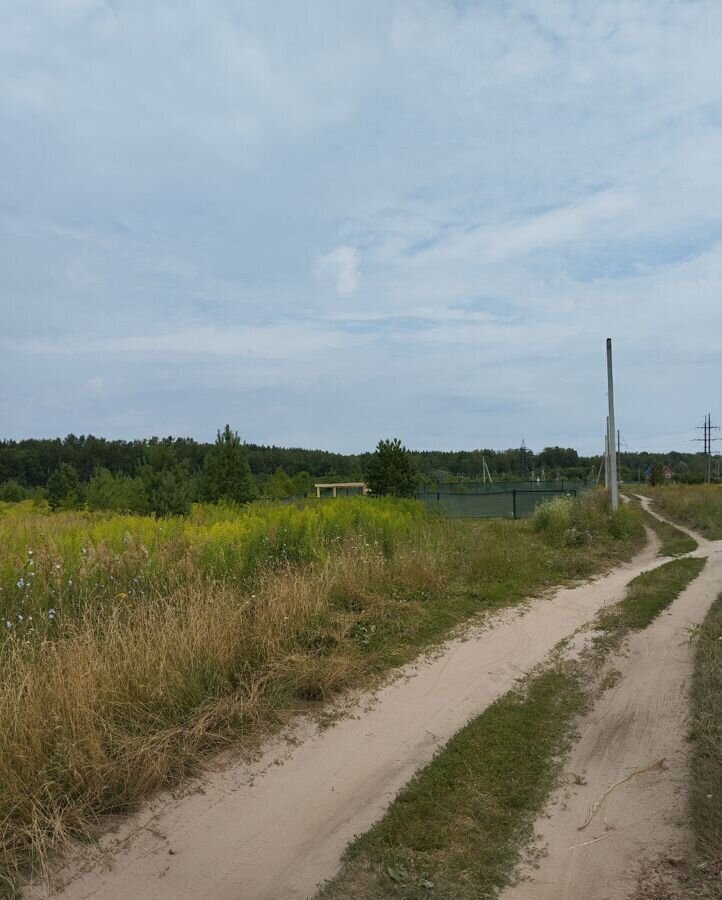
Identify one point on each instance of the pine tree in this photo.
(391, 470)
(165, 482)
(227, 473)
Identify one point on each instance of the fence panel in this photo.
(476, 506)
(513, 503)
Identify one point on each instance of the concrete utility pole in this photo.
(606, 458)
(612, 456)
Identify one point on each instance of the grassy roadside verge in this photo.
(673, 541)
(163, 646)
(698, 506)
(457, 830)
(706, 763)
(647, 595)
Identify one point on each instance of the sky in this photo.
(329, 223)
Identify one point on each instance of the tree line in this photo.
(165, 475)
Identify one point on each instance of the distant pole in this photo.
(709, 448)
(710, 429)
(606, 457)
(707, 444)
(488, 473)
(599, 471)
(619, 453)
(612, 456)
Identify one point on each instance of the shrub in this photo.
(64, 488)
(588, 517)
(12, 492)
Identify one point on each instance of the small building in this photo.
(342, 489)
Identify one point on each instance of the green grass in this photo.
(458, 829)
(673, 541)
(648, 594)
(699, 506)
(455, 830)
(706, 764)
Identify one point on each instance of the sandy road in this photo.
(641, 720)
(274, 829)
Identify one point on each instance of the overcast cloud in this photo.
(327, 223)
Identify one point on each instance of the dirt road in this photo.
(276, 828)
(634, 725)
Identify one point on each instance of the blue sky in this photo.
(328, 223)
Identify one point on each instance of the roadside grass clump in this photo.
(155, 642)
(698, 506)
(648, 594)
(706, 762)
(455, 829)
(673, 541)
(574, 521)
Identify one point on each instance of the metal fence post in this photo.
(513, 502)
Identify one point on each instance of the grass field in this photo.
(132, 646)
(699, 506)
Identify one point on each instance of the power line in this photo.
(707, 429)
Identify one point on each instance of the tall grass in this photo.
(706, 733)
(697, 505)
(573, 522)
(55, 565)
(169, 639)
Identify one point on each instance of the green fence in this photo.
(480, 487)
(513, 503)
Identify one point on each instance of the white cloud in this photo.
(516, 183)
(339, 269)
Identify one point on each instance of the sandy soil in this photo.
(641, 825)
(276, 828)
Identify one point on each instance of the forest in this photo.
(30, 463)
(179, 464)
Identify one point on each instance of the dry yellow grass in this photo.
(130, 696)
(130, 692)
